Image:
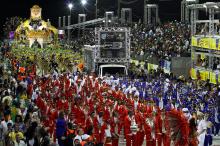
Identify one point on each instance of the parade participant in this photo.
(80, 135)
(61, 129)
(193, 141)
(165, 132)
(208, 135)
(101, 126)
(108, 135)
(122, 112)
(217, 121)
(202, 127)
(70, 134)
(149, 129)
(114, 128)
(187, 113)
(179, 132)
(140, 122)
(127, 128)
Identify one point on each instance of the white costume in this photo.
(201, 126)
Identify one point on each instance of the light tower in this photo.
(185, 11)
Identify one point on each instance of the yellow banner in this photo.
(194, 41)
(136, 62)
(212, 77)
(193, 73)
(151, 66)
(202, 75)
(207, 75)
(206, 43)
(213, 44)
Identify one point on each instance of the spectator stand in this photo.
(205, 44)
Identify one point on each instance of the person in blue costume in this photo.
(61, 129)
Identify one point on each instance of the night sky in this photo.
(52, 9)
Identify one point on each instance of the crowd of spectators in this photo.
(171, 39)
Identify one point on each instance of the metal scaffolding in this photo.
(109, 18)
(68, 30)
(126, 18)
(59, 23)
(208, 31)
(211, 8)
(149, 19)
(64, 21)
(81, 19)
(99, 32)
(185, 11)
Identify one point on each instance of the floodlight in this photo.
(83, 2)
(70, 5)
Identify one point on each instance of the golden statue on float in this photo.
(36, 31)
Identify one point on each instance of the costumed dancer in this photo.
(202, 128)
(114, 128)
(149, 129)
(179, 128)
(165, 138)
(140, 122)
(208, 136)
(193, 141)
(127, 128)
(108, 135)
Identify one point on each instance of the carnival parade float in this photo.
(36, 31)
(37, 40)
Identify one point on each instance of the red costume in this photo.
(127, 130)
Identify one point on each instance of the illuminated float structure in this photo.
(36, 31)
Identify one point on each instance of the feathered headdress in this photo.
(179, 127)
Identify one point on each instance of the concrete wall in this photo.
(181, 66)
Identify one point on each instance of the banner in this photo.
(136, 62)
(204, 75)
(193, 73)
(212, 78)
(194, 41)
(205, 42)
(167, 66)
(151, 67)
